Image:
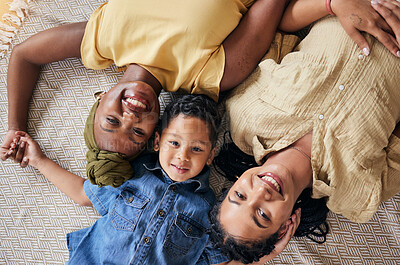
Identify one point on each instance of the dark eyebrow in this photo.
(106, 130)
(234, 202)
(112, 131)
(133, 141)
(257, 223)
(253, 217)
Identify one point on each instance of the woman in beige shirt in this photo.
(323, 118)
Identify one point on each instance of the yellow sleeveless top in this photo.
(178, 41)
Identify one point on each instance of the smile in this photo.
(135, 104)
(179, 169)
(272, 180)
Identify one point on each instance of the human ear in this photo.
(99, 95)
(156, 142)
(211, 156)
(284, 228)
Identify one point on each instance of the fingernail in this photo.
(366, 51)
(22, 144)
(398, 53)
(374, 2)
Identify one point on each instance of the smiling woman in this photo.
(12, 14)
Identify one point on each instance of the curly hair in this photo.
(232, 162)
(234, 248)
(198, 106)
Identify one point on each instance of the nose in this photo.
(259, 194)
(129, 120)
(183, 154)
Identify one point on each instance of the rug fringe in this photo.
(9, 29)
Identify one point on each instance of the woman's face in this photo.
(126, 117)
(259, 204)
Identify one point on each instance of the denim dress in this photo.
(148, 220)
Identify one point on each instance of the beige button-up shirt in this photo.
(349, 101)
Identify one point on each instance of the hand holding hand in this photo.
(28, 151)
(8, 146)
(358, 15)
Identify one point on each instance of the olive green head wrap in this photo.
(104, 167)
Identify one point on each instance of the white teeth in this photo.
(135, 102)
(269, 179)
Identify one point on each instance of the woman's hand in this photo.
(359, 15)
(8, 146)
(282, 243)
(390, 11)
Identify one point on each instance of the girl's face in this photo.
(126, 117)
(260, 203)
(184, 147)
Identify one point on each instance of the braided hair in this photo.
(232, 162)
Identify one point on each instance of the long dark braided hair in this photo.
(232, 162)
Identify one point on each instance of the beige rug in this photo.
(12, 14)
(35, 216)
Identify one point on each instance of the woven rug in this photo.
(12, 14)
(35, 216)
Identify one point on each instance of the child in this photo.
(160, 216)
(171, 45)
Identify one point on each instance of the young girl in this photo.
(160, 216)
(192, 46)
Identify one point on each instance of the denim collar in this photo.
(200, 183)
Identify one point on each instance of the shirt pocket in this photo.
(182, 235)
(128, 208)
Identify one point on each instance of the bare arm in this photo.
(45, 47)
(70, 184)
(246, 45)
(301, 13)
(356, 16)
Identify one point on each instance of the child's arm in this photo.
(45, 47)
(70, 184)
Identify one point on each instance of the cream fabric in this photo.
(350, 102)
(179, 42)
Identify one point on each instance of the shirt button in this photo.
(161, 213)
(360, 57)
(146, 240)
(321, 117)
(130, 199)
(189, 229)
(341, 87)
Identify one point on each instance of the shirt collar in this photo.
(200, 182)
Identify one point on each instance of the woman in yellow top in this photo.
(194, 46)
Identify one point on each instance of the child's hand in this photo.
(29, 152)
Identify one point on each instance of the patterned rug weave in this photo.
(12, 14)
(35, 216)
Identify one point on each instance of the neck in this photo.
(302, 169)
(135, 72)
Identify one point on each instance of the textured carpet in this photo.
(35, 216)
